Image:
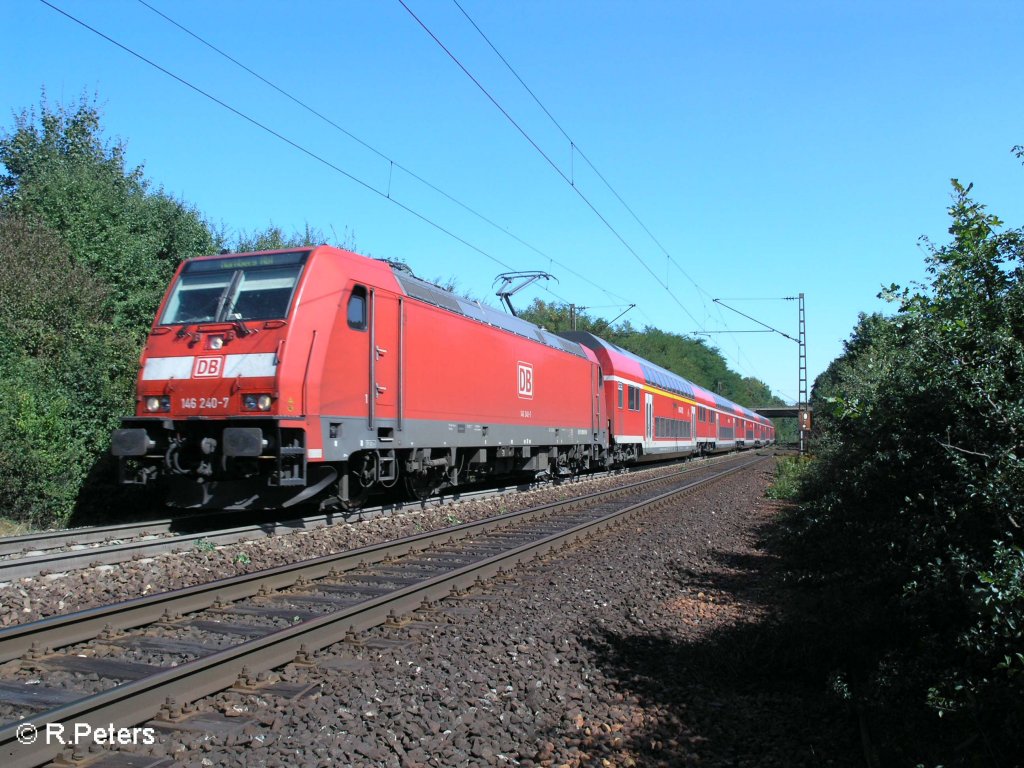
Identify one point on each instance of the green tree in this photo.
(911, 526)
(87, 249)
(274, 238)
(62, 373)
(60, 170)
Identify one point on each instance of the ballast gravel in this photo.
(59, 593)
(639, 647)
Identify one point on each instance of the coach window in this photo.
(357, 308)
(620, 395)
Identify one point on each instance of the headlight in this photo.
(156, 403)
(256, 402)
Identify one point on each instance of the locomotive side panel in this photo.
(430, 396)
(470, 372)
(440, 380)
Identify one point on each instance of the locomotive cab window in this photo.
(235, 288)
(357, 308)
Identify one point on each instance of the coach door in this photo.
(649, 418)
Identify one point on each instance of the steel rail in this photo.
(137, 701)
(17, 546)
(96, 534)
(67, 560)
(15, 567)
(29, 566)
(75, 627)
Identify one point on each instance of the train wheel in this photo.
(420, 486)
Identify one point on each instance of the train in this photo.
(318, 375)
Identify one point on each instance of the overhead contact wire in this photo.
(575, 149)
(554, 165)
(393, 163)
(286, 140)
(573, 145)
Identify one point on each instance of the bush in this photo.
(910, 516)
(86, 251)
(62, 373)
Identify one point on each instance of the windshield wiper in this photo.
(226, 305)
(223, 302)
(242, 329)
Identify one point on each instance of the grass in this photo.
(10, 527)
(789, 471)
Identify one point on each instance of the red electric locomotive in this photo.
(273, 378)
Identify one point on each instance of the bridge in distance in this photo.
(780, 411)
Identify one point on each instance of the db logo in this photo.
(207, 367)
(526, 381)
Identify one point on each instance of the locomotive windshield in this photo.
(235, 288)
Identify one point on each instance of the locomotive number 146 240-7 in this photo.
(204, 403)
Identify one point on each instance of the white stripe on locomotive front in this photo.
(235, 366)
(161, 368)
(261, 364)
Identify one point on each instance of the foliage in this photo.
(87, 247)
(62, 373)
(131, 238)
(273, 238)
(910, 528)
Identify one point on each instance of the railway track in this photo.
(34, 554)
(121, 665)
(51, 552)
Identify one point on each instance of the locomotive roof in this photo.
(663, 378)
(433, 294)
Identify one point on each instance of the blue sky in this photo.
(770, 148)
